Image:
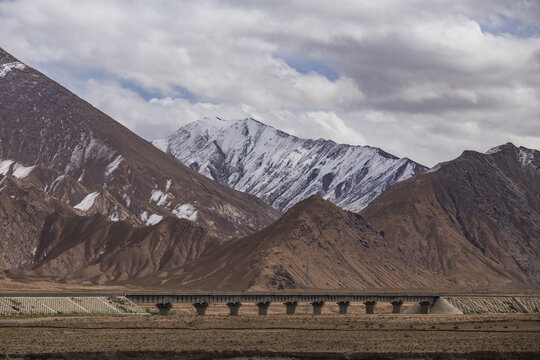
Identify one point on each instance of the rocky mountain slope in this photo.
(340, 248)
(44, 237)
(282, 169)
(474, 220)
(123, 176)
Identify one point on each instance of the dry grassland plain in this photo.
(184, 335)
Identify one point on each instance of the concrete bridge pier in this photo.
(396, 306)
(424, 307)
(370, 307)
(290, 307)
(317, 307)
(164, 307)
(233, 308)
(263, 307)
(343, 307)
(201, 308)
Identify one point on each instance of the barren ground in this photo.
(357, 335)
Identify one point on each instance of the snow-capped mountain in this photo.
(282, 169)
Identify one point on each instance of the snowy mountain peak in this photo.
(283, 169)
(525, 156)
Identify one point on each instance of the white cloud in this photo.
(333, 127)
(422, 79)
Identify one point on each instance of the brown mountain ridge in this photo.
(340, 248)
(474, 220)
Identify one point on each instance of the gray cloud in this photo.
(423, 79)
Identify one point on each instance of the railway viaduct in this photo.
(201, 301)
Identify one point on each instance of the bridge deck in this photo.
(274, 297)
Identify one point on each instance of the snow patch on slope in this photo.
(526, 156)
(5, 166)
(54, 184)
(186, 211)
(154, 219)
(92, 151)
(114, 214)
(144, 216)
(126, 199)
(494, 150)
(21, 171)
(87, 202)
(113, 165)
(150, 220)
(7, 67)
(158, 197)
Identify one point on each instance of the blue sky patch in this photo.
(184, 93)
(146, 94)
(512, 27)
(306, 64)
(149, 94)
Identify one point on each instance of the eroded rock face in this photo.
(282, 169)
(43, 123)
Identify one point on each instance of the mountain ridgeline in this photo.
(282, 169)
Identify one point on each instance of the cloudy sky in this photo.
(422, 79)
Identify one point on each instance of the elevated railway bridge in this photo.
(201, 300)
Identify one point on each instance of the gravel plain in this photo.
(356, 335)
